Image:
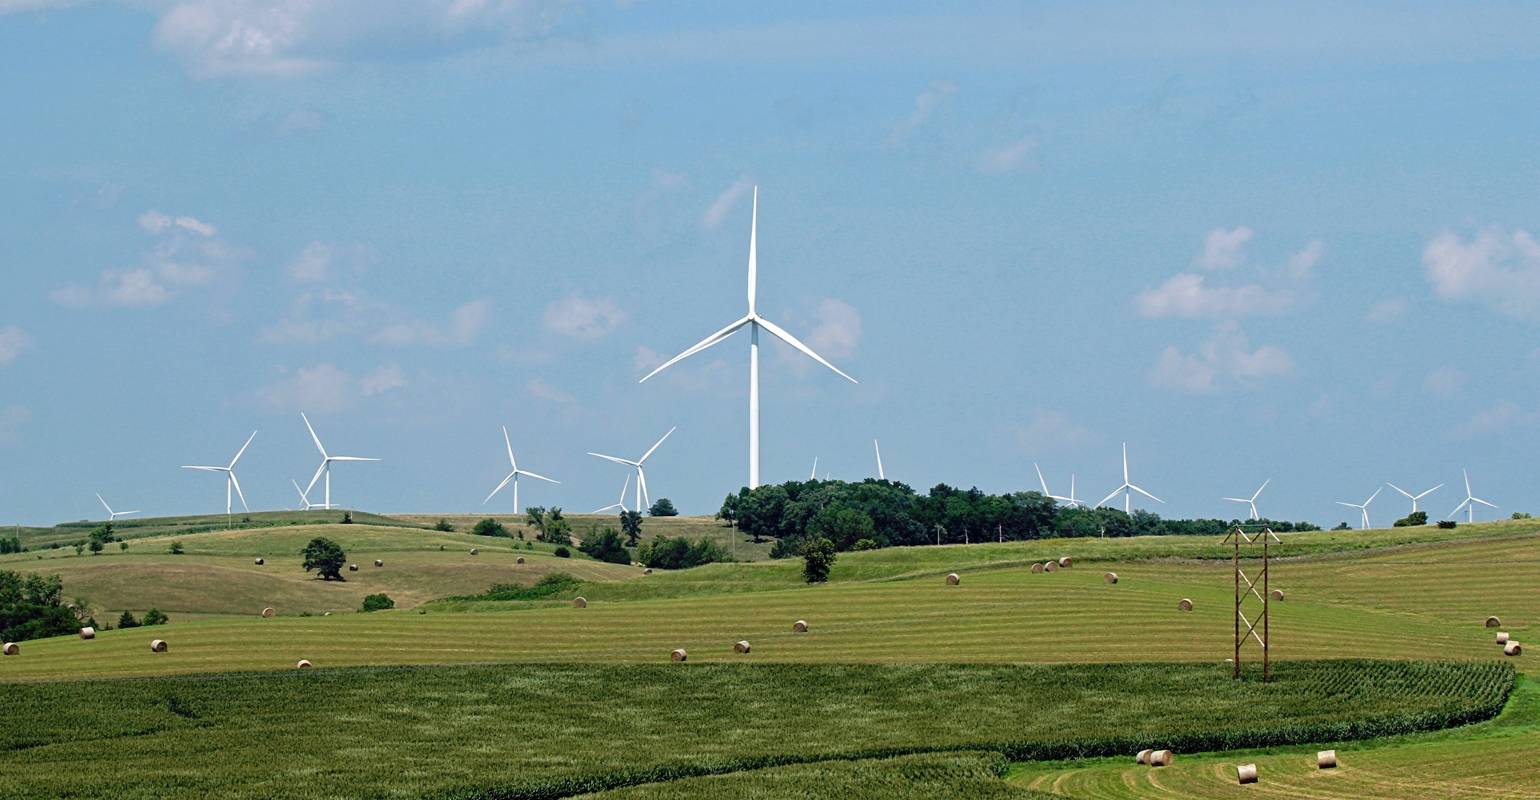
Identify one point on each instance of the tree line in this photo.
(883, 513)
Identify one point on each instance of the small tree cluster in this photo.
(378, 602)
(662, 508)
(443, 525)
(553, 529)
(489, 527)
(818, 557)
(605, 545)
(1412, 520)
(664, 552)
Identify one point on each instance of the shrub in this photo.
(378, 602)
(32, 607)
(127, 620)
(96, 547)
(443, 525)
(662, 508)
(79, 548)
(176, 548)
(1412, 520)
(864, 544)
(562, 552)
(1446, 524)
(1342, 526)
(551, 584)
(347, 518)
(490, 527)
(122, 545)
(154, 617)
(606, 545)
(679, 553)
(1520, 515)
(818, 556)
(325, 557)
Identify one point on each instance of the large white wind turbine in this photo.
(1070, 501)
(230, 476)
(1470, 502)
(880, 475)
(1253, 501)
(755, 322)
(326, 465)
(1365, 507)
(112, 515)
(514, 475)
(641, 477)
(1416, 497)
(1126, 487)
(622, 504)
(304, 501)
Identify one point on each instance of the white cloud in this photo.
(713, 215)
(1496, 269)
(195, 226)
(319, 388)
(295, 37)
(11, 419)
(1008, 158)
(543, 389)
(300, 119)
(133, 289)
(1444, 381)
(582, 318)
(1387, 311)
(1222, 249)
(311, 264)
(647, 359)
(1052, 430)
(154, 221)
(925, 104)
(382, 379)
(465, 324)
(1502, 416)
(1226, 356)
(838, 330)
(13, 342)
(9, 6)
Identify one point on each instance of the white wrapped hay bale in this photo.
(741, 648)
(269, 612)
(352, 568)
(88, 633)
(1512, 648)
(1247, 773)
(260, 562)
(158, 646)
(1066, 562)
(578, 602)
(953, 579)
(647, 571)
(1162, 758)
(1326, 759)
(379, 562)
(1143, 757)
(679, 654)
(1184, 605)
(1502, 637)
(474, 551)
(519, 560)
(1052, 566)
(1111, 577)
(800, 626)
(303, 664)
(12, 649)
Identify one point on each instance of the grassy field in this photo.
(557, 730)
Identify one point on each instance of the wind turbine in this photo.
(113, 515)
(641, 477)
(304, 502)
(814, 476)
(1416, 497)
(1469, 503)
(514, 475)
(1253, 501)
(1127, 495)
(230, 478)
(326, 465)
(622, 504)
(880, 475)
(1365, 507)
(755, 322)
(1067, 500)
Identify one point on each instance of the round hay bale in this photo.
(88, 632)
(741, 647)
(303, 664)
(1277, 594)
(260, 562)
(269, 612)
(1066, 562)
(519, 560)
(1512, 648)
(327, 614)
(647, 572)
(474, 551)
(1143, 757)
(1247, 773)
(1052, 566)
(1502, 637)
(1326, 759)
(379, 562)
(1492, 622)
(953, 579)
(12, 649)
(1184, 605)
(1162, 758)
(73, 607)
(1111, 577)
(679, 655)
(352, 568)
(578, 602)
(158, 646)
(1037, 569)
(800, 626)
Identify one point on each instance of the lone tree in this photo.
(663, 508)
(325, 557)
(817, 557)
(631, 523)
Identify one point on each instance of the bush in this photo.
(1412, 520)
(122, 545)
(1520, 515)
(679, 553)
(443, 525)
(347, 518)
(154, 617)
(818, 556)
(96, 547)
(11, 545)
(1446, 524)
(378, 602)
(1342, 526)
(32, 607)
(127, 620)
(662, 508)
(562, 552)
(606, 545)
(864, 544)
(325, 557)
(176, 548)
(552, 584)
(490, 527)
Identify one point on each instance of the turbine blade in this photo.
(704, 343)
(317, 477)
(350, 458)
(1125, 463)
(302, 497)
(1457, 508)
(1402, 491)
(243, 449)
(104, 504)
(654, 447)
(1428, 492)
(533, 475)
(500, 486)
(511, 462)
(1372, 496)
(1237, 499)
(1259, 491)
(641, 479)
(1483, 502)
(1350, 505)
(1040, 478)
(209, 469)
(792, 340)
(1151, 496)
(623, 488)
(314, 437)
(754, 251)
(614, 459)
(1110, 496)
(1467, 482)
(238, 489)
(881, 476)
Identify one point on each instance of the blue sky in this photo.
(1285, 241)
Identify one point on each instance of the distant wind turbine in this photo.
(1071, 501)
(1253, 501)
(814, 476)
(514, 475)
(755, 322)
(641, 477)
(113, 515)
(1469, 503)
(230, 477)
(1416, 497)
(304, 502)
(1127, 488)
(622, 504)
(880, 475)
(326, 465)
(1365, 507)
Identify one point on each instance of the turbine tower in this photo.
(1365, 507)
(1070, 501)
(1416, 497)
(641, 477)
(326, 465)
(113, 515)
(755, 322)
(1126, 487)
(230, 478)
(622, 504)
(514, 475)
(1253, 501)
(1470, 502)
